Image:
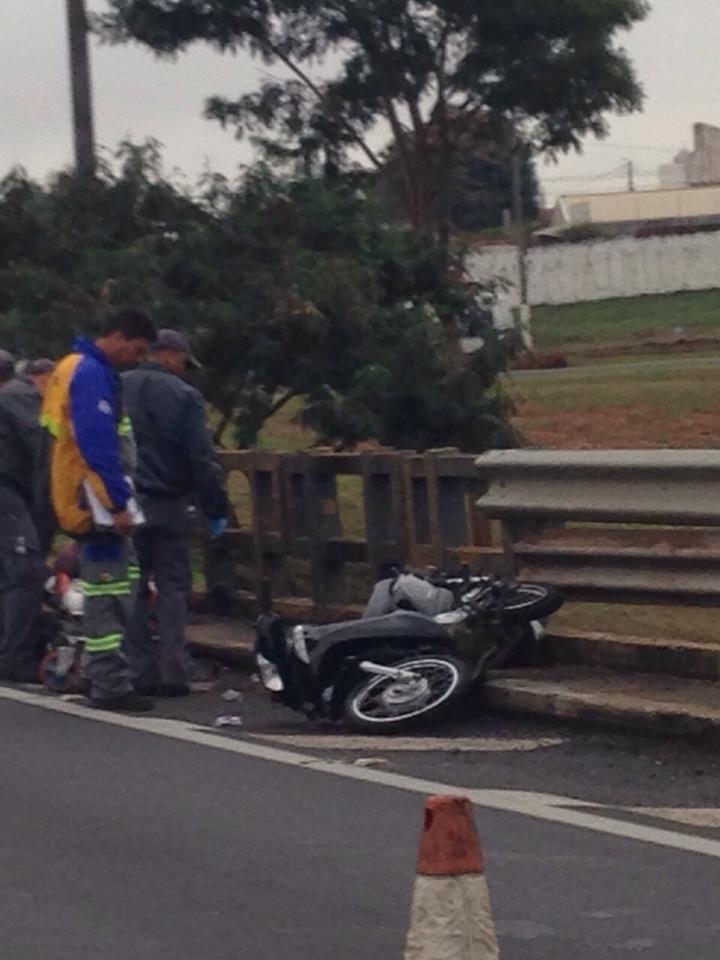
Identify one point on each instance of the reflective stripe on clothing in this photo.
(120, 588)
(54, 427)
(107, 644)
(133, 573)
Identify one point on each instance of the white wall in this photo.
(626, 267)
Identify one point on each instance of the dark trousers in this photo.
(21, 583)
(163, 549)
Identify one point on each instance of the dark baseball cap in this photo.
(36, 368)
(169, 339)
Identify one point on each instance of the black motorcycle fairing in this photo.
(337, 650)
(330, 645)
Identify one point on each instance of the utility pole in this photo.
(630, 175)
(81, 86)
(520, 242)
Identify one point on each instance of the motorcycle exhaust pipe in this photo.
(379, 670)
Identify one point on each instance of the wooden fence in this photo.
(316, 527)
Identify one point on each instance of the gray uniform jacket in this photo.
(24, 453)
(176, 457)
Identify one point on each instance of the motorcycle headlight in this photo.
(298, 643)
(269, 674)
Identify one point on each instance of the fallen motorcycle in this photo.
(423, 642)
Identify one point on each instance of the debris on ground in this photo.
(371, 762)
(232, 696)
(228, 721)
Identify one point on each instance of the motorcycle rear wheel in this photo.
(385, 705)
(523, 602)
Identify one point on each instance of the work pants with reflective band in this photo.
(110, 577)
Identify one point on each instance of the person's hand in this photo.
(123, 523)
(218, 527)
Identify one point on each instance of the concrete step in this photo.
(678, 658)
(645, 702)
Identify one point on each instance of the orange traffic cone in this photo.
(451, 916)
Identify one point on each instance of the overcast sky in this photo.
(675, 52)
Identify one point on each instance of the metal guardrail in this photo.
(562, 515)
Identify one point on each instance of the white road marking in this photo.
(409, 744)
(690, 816)
(538, 806)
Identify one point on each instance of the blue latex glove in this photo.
(218, 527)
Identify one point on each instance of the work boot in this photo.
(125, 703)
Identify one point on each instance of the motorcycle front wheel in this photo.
(385, 704)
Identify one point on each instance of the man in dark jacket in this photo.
(21, 555)
(176, 468)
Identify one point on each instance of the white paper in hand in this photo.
(102, 517)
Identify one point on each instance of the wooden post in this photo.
(270, 524)
(384, 503)
(323, 517)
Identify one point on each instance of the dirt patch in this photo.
(616, 427)
(641, 345)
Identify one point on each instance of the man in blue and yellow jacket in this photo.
(92, 458)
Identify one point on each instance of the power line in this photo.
(635, 146)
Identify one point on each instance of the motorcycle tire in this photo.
(523, 602)
(384, 705)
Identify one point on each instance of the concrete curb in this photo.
(677, 658)
(560, 701)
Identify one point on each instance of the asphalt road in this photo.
(158, 842)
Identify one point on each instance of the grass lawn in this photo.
(663, 403)
(670, 387)
(623, 319)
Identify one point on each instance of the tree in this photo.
(291, 288)
(432, 72)
(481, 193)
